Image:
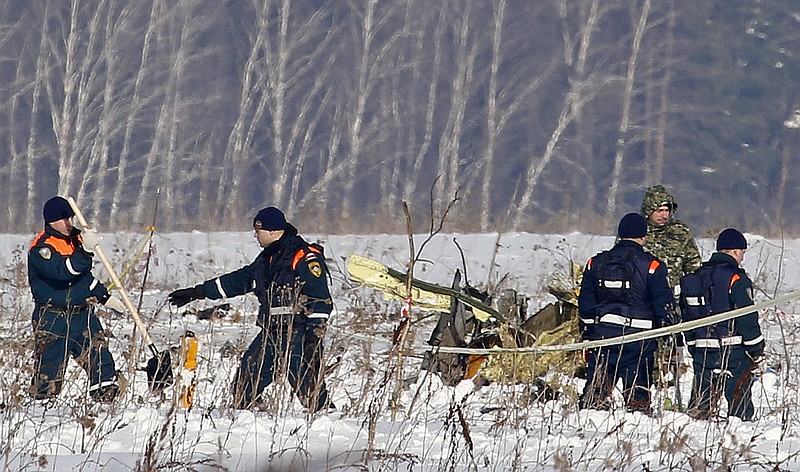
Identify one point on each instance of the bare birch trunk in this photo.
(62, 115)
(155, 162)
(30, 150)
(661, 134)
(411, 183)
(449, 147)
(581, 91)
(360, 96)
(278, 62)
(788, 151)
(134, 111)
(491, 116)
(106, 123)
(624, 125)
(252, 105)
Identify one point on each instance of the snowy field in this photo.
(381, 424)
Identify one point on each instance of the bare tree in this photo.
(491, 113)
(27, 158)
(284, 93)
(162, 166)
(627, 96)
(506, 99)
(428, 101)
(661, 129)
(69, 97)
(362, 93)
(401, 99)
(346, 108)
(136, 103)
(583, 88)
(466, 47)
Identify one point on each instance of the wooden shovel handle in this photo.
(99, 251)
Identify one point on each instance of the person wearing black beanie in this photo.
(623, 291)
(632, 226)
(731, 238)
(290, 279)
(65, 293)
(57, 208)
(733, 347)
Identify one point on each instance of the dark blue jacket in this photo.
(731, 289)
(60, 271)
(289, 277)
(610, 308)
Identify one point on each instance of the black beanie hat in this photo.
(632, 225)
(270, 219)
(731, 239)
(57, 208)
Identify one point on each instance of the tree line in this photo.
(552, 115)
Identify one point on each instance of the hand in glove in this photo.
(182, 296)
(318, 329)
(114, 303)
(90, 239)
(315, 331)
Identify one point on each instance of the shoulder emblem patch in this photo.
(315, 268)
(45, 253)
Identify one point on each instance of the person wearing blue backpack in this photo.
(724, 354)
(623, 291)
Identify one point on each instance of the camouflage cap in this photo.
(656, 196)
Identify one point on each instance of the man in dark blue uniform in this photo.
(289, 277)
(64, 291)
(723, 354)
(624, 290)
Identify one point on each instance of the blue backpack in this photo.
(702, 295)
(615, 277)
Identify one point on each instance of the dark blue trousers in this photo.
(295, 348)
(706, 383)
(632, 363)
(733, 376)
(59, 334)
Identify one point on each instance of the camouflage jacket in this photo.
(673, 245)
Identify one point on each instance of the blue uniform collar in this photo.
(721, 257)
(629, 244)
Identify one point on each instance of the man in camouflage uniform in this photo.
(670, 240)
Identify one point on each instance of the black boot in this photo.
(105, 394)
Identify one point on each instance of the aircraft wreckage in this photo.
(469, 318)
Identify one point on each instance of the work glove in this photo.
(114, 303)
(318, 329)
(315, 332)
(90, 239)
(182, 296)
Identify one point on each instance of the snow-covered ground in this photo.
(423, 426)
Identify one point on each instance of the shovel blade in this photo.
(159, 372)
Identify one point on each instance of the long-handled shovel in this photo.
(159, 367)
